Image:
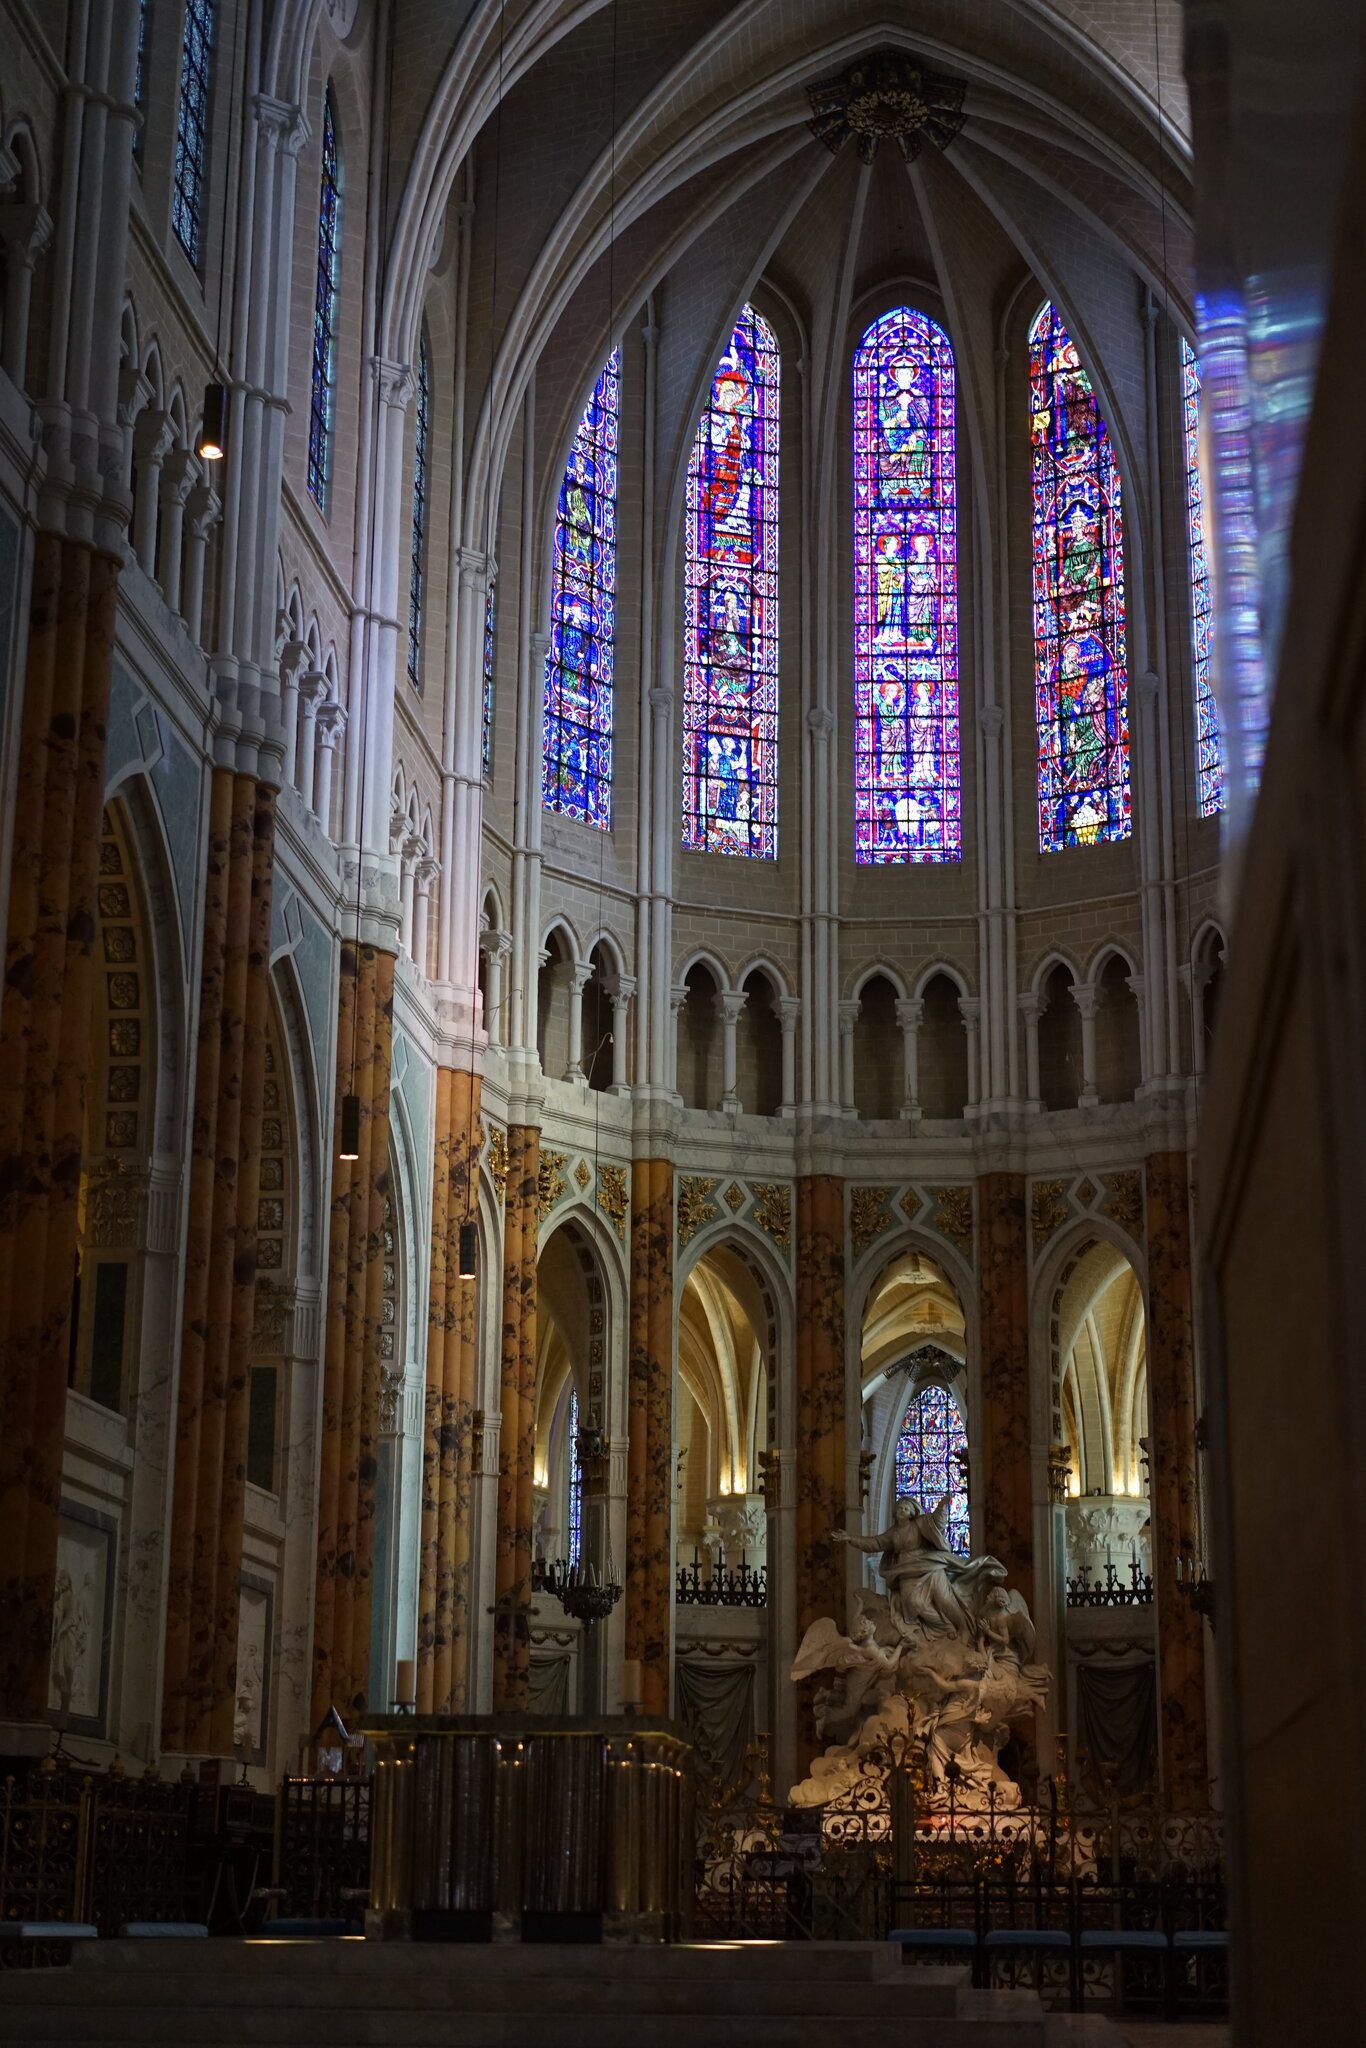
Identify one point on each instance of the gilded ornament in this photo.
(1048, 1209)
(733, 1196)
(695, 1206)
(1123, 1202)
(910, 1205)
(551, 1183)
(773, 1211)
(1086, 1192)
(868, 1217)
(583, 1173)
(613, 1196)
(953, 1217)
(498, 1159)
(885, 97)
(1059, 1472)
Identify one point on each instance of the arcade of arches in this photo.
(619, 759)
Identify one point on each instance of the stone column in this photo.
(678, 995)
(151, 445)
(407, 848)
(1003, 1448)
(331, 726)
(46, 1005)
(1085, 996)
(25, 230)
(970, 1010)
(202, 513)
(313, 694)
(789, 1011)
(1198, 977)
(909, 1013)
(1138, 988)
(820, 1446)
(1032, 1007)
(495, 947)
(517, 1425)
(178, 474)
(575, 976)
(352, 1361)
(620, 990)
(218, 1316)
(649, 1482)
(1175, 1502)
(445, 1620)
(424, 875)
(729, 1004)
(849, 1016)
(293, 657)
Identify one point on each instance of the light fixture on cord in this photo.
(212, 439)
(211, 442)
(349, 1148)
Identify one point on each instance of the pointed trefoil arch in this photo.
(577, 760)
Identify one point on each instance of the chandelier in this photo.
(582, 1590)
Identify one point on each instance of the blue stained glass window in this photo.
(192, 126)
(577, 760)
(927, 1460)
(1209, 753)
(908, 803)
(575, 1480)
(490, 645)
(1081, 688)
(417, 562)
(140, 76)
(730, 679)
(325, 314)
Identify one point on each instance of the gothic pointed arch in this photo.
(578, 683)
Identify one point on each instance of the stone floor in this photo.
(1151, 2034)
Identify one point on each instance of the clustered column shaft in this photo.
(517, 1427)
(1003, 1318)
(649, 1502)
(821, 1415)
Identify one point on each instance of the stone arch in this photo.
(861, 976)
(912, 1332)
(942, 1052)
(1060, 1036)
(1075, 1404)
(1119, 1060)
(879, 1047)
(699, 1040)
(759, 1040)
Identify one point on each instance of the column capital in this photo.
(619, 989)
(313, 690)
(153, 433)
(135, 391)
(1032, 1004)
(25, 231)
(203, 509)
(179, 473)
(394, 383)
(331, 723)
(850, 1010)
(475, 568)
(661, 700)
(1146, 684)
(282, 122)
(678, 995)
(540, 647)
(970, 1009)
(426, 872)
(820, 721)
(992, 720)
(789, 1010)
(729, 1004)
(1086, 996)
(493, 944)
(910, 1011)
(577, 974)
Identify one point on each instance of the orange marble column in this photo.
(444, 1591)
(517, 1427)
(1175, 1497)
(218, 1314)
(820, 1444)
(649, 1471)
(1002, 1447)
(45, 1015)
(353, 1349)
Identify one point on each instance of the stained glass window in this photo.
(1209, 753)
(575, 1480)
(417, 551)
(325, 313)
(140, 77)
(927, 1462)
(907, 779)
(577, 761)
(490, 646)
(730, 677)
(1081, 687)
(192, 126)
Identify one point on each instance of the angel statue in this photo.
(867, 1667)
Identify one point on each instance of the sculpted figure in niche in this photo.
(943, 1657)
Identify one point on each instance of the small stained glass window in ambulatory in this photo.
(730, 678)
(490, 649)
(575, 1479)
(1209, 753)
(192, 128)
(417, 566)
(577, 759)
(324, 377)
(928, 1464)
(1081, 688)
(140, 80)
(907, 772)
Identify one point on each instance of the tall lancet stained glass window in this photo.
(1209, 753)
(1080, 681)
(929, 1459)
(192, 127)
(490, 658)
(324, 378)
(577, 769)
(907, 777)
(417, 543)
(730, 649)
(575, 1486)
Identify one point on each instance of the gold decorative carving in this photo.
(1048, 1209)
(111, 1206)
(733, 1196)
(498, 1159)
(771, 1479)
(1123, 1202)
(868, 1217)
(583, 1173)
(1086, 1192)
(695, 1205)
(552, 1183)
(773, 1211)
(613, 1197)
(1059, 1472)
(953, 1217)
(910, 1205)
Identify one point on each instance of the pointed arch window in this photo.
(140, 80)
(575, 1480)
(931, 1457)
(1081, 690)
(577, 761)
(1209, 752)
(324, 378)
(490, 649)
(417, 547)
(192, 127)
(907, 774)
(730, 680)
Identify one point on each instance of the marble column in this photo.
(1003, 1435)
(353, 1352)
(444, 1622)
(313, 688)
(331, 726)
(789, 1015)
(820, 1459)
(45, 1024)
(849, 1016)
(202, 513)
(1175, 1502)
(620, 989)
(649, 1457)
(152, 437)
(517, 1423)
(1087, 997)
(910, 1011)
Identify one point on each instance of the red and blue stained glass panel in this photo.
(730, 684)
(577, 763)
(927, 1460)
(1080, 678)
(907, 776)
(1209, 753)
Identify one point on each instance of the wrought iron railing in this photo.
(1111, 1591)
(322, 1848)
(703, 1584)
(80, 1845)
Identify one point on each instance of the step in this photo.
(46, 2027)
(743, 1961)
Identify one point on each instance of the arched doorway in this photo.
(915, 1422)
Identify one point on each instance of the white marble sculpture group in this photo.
(942, 1658)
